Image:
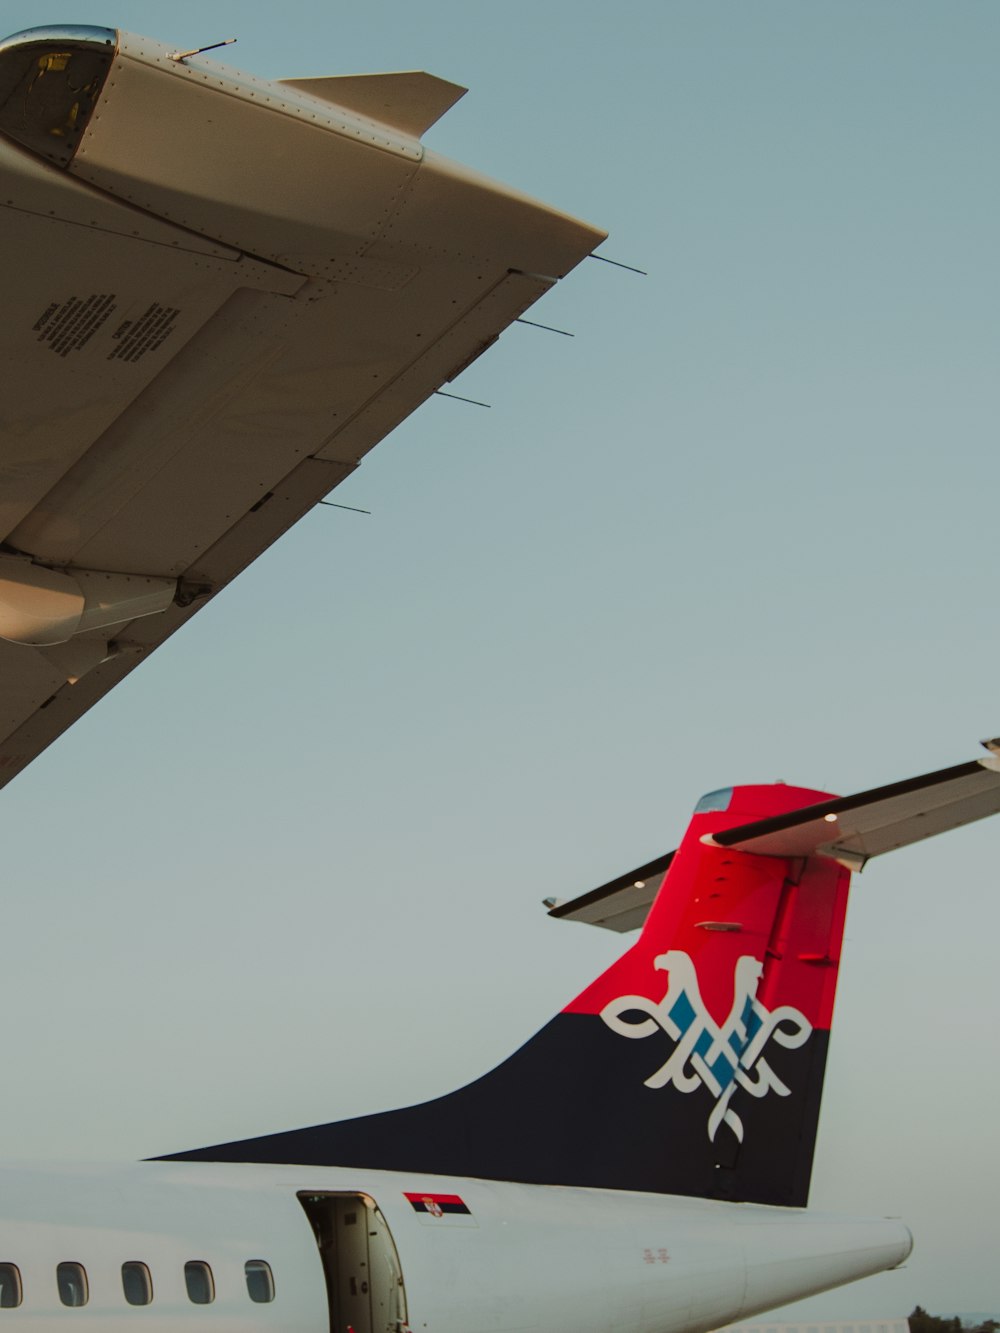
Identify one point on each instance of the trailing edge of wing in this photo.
(411, 101)
(620, 905)
(853, 829)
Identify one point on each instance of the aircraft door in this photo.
(388, 1308)
(352, 1298)
(364, 1281)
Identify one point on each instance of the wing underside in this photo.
(179, 390)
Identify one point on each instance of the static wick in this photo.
(618, 264)
(198, 50)
(459, 399)
(332, 504)
(547, 327)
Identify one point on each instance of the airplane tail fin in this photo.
(694, 1065)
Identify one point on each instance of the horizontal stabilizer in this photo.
(622, 904)
(411, 101)
(853, 829)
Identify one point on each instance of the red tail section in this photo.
(717, 905)
(694, 1065)
(730, 987)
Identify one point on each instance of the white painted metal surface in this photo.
(563, 1260)
(875, 1325)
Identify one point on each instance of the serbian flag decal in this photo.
(441, 1209)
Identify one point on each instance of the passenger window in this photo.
(260, 1281)
(137, 1283)
(199, 1282)
(10, 1286)
(72, 1280)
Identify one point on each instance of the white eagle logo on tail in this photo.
(721, 1059)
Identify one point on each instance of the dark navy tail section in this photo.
(694, 1065)
(536, 1120)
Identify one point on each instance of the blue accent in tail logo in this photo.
(721, 1059)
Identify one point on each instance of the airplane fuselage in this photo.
(307, 1250)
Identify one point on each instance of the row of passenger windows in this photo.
(137, 1283)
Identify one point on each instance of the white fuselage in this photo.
(524, 1256)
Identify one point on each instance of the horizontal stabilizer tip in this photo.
(622, 904)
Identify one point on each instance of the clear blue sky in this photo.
(740, 528)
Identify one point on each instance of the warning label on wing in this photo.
(137, 337)
(70, 326)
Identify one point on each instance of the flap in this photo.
(852, 829)
(411, 101)
(620, 905)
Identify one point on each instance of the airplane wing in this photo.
(219, 294)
